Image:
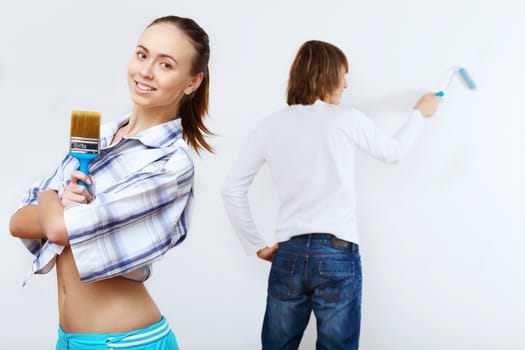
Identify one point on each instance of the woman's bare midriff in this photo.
(108, 306)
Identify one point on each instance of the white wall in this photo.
(442, 243)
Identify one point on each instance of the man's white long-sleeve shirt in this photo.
(310, 151)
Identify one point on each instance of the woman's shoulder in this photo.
(181, 158)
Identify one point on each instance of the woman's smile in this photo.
(144, 87)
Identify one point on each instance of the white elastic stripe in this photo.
(140, 342)
(142, 338)
(147, 334)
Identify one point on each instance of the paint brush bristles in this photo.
(85, 139)
(85, 132)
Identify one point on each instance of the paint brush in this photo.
(85, 139)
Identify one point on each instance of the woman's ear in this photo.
(194, 83)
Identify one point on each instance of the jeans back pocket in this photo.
(280, 282)
(339, 277)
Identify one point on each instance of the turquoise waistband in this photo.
(128, 340)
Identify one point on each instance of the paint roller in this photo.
(465, 76)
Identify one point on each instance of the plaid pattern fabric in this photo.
(143, 194)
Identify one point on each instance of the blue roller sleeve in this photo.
(84, 159)
(466, 77)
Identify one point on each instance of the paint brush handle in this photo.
(84, 167)
(84, 159)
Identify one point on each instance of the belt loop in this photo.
(308, 241)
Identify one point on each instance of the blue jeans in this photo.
(314, 272)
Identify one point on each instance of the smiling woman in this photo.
(159, 73)
(141, 201)
(168, 74)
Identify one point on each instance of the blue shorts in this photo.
(158, 336)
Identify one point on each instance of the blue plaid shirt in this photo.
(142, 204)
